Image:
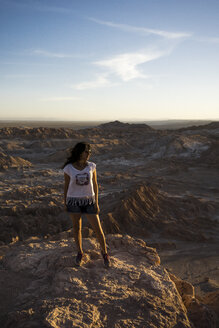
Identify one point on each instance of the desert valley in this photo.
(159, 208)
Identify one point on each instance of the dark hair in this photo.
(76, 152)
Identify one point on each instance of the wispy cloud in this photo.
(100, 82)
(45, 53)
(125, 66)
(58, 99)
(144, 30)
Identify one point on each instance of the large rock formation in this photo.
(202, 312)
(7, 161)
(41, 286)
(145, 209)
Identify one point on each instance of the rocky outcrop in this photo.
(7, 162)
(114, 138)
(209, 126)
(212, 301)
(38, 133)
(38, 211)
(200, 311)
(145, 209)
(211, 155)
(49, 291)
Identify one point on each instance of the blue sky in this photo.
(106, 60)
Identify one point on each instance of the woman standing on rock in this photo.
(81, 196)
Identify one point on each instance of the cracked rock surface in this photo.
(43, 288)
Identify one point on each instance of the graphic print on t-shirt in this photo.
(82, 179)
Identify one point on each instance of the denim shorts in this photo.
(79, 206)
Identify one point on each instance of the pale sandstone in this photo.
(135, 291)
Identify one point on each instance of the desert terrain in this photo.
(158, 195)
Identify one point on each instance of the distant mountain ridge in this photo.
(210, 126)
(120, 125)
(66, 132)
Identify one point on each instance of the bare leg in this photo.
(76, 220)
(94, 221)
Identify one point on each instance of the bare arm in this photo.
(67, 180)
(95, 186)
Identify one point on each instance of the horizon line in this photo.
(92, 121)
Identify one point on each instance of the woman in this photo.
(81, 196)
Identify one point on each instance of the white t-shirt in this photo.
(81, 181)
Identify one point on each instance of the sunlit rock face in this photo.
(50, 291)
